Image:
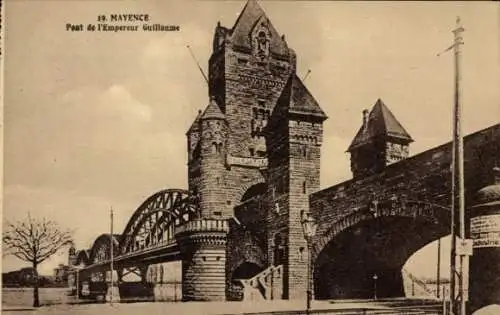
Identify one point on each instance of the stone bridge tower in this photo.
(249, 66)
(252, 71)
(294, 137)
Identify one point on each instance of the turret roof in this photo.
(297, 100)
(252, 14)
(212, 111)
(381, 122)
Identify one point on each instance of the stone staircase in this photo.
(421, 288)
(266, 285)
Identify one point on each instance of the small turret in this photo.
(212, 112)
(213, 129)
(212, 161)
(71, 255)
(380, 141)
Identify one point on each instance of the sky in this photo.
(94, 120)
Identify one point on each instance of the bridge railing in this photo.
(203, 225)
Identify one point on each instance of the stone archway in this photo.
(242, 192)
(347, 264)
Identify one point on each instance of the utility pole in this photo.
(111, 258)
(458, 169)
(457, 190)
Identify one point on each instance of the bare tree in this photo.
(34, 241)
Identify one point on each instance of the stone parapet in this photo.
(202, 225)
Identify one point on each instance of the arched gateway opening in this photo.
(254, 191)
(247, 254)
(245, 271)
(365, 260)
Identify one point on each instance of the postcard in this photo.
(237, 157)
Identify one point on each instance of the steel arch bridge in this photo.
(148, 238)
(154, 222)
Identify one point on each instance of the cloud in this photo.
(119, 99)
(102, 144)
(112, 104)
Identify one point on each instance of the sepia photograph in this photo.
(250, 157)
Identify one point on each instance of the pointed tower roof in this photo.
(212, 111)
(379, 122)
(196, 123)
(251, 15)
(296, 99)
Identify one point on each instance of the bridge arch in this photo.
(374, 241)
(257, 188)
(155, 219)
(249, 189)
(392, 208)
(82, 257)
(100, 250)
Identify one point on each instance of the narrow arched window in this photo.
(304, 187)
(214, 148)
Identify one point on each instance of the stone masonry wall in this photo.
(237, 180)
(249, 85)
(202, 244)
(423, 177)
(278, 192)
(294, 155)
(304, 179)
(204, 275)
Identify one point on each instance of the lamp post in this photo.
(309, 226)
(375, 277)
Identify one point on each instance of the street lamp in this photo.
(309, 226)
(375, 277)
